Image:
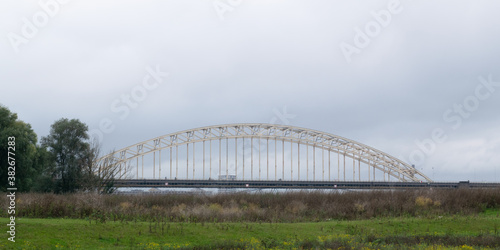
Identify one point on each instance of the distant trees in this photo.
(65, 161)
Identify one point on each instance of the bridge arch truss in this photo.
(260, 151)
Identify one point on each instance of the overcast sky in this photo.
(390, 74)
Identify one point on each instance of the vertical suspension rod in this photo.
(275, 159)
(283, 165)
(344, 166)
(210, 164)
(176, 161)
(267, 158)
(338, 165)
(353, 167)
(291, 160)
(298, 161)
(194, 161)
(314, 162)
(259, 156)
(243, 158)
(203, 160)
(227, 158)
(329, 166)
(220, 157)
(170, 163)
(236, 156)
(251, 158)
(307, 163)
(323, 162)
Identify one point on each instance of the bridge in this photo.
(257, 155)
(240, 184)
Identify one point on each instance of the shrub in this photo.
(269, 207)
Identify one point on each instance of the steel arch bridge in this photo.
(258, 152)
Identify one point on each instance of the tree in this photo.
(108, 170)
(25, 150)
(45, 167)
(70, 149)
(100, 174)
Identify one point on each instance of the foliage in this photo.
(67, 142)
(65, 161)
(103, 172)
(45, 167)
(25, 150)
(262, 207)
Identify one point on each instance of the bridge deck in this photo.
(296, 184)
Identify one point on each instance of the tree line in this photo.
(64, 161)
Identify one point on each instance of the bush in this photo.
(268, 207)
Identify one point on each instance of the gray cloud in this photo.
(265, 55)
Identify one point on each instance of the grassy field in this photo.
(440, 232)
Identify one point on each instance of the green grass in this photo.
(79, 234)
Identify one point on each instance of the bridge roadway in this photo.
(147, 183)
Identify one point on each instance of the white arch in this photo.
(352, 149)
